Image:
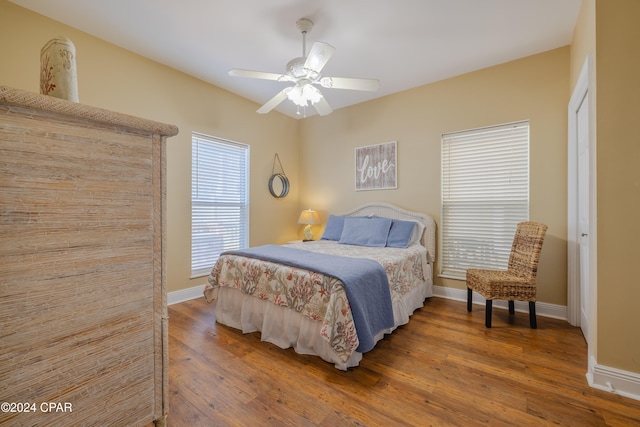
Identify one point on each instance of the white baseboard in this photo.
(614, 380)
(185, 294)
(542, 308)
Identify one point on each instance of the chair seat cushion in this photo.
(494, 284)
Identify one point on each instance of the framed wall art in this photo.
(377, 167)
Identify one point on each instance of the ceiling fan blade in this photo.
(259, 75)
(273, 102)
(318, 57)
(322, 107)
(371, 85)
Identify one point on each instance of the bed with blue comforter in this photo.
(334, 297)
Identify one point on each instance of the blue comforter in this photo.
(365, 282)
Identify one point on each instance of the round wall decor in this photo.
(278, 183)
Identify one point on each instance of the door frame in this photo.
(582, 88)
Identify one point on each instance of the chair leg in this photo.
(532, 315)
(487, 320)
(469, 298)
(512, 309)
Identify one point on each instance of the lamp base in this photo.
(308, 234)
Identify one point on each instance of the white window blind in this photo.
(485, 193)
(219, 200)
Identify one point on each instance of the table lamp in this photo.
(308, 217)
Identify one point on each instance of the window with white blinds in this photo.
(485, 193)
(219, 200)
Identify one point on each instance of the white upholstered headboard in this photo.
(388, 210)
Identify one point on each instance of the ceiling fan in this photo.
(305, 73)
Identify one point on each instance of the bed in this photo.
(312, 308)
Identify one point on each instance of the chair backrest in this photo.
(525, 251)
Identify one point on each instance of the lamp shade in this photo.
(308, 217)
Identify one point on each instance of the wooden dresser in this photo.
(83, 315)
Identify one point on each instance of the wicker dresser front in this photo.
(83, 337)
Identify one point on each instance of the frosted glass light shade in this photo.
(303, 95)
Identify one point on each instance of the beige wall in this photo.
(584, 40)
(118, 80)
(618, 182)
(534, 88)
(607, 33)
(318, 153)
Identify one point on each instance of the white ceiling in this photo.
(403, 43)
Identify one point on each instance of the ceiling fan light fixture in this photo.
(304, 95)
(304, 72)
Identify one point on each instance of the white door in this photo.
(582, 128)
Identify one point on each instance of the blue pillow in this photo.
(333, 229)
(400, 233)
(365, 231)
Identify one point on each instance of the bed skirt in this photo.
(287, 328)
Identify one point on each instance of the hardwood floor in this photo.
(443, 368)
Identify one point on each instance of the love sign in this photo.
(376, 166)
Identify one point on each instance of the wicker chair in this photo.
(519, 281)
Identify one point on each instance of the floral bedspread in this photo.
(318, 297)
